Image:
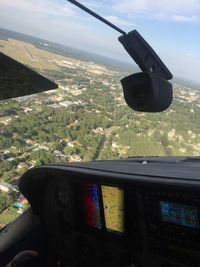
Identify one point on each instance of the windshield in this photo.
(87, 118)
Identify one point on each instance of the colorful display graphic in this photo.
(179, 214)
(92, 206)
(113, 203)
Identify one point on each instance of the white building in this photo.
(5, 187)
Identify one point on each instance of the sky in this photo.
(172, 28)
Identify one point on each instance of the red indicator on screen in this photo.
(92, 206)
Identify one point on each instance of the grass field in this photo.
(29, 55)
(8, 216)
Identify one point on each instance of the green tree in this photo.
(5, 201)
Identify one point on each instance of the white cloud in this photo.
(176, 10)
(188, 54)
(46, 7)
(182, 6)
(181, 18)
(119, 21)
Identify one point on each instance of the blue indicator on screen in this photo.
(180, 214)
(92, 206)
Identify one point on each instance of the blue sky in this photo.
(171, 27)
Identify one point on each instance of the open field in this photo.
(8, 216)
(28, 54)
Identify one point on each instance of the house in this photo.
(70, 144)
(10, 159)
(22, 199)
(58, 153)
(75, 158)
(30, 142)
(22, 165)
(5, 187)
(66, 103)
(2, 226)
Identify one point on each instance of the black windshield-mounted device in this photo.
(148, 91)
(143, 55)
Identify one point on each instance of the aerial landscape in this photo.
(85, 119)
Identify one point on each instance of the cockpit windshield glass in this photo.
(86, 118)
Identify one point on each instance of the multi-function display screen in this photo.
(104, 204)
(180, 214)
(113, 203)
(92, 206)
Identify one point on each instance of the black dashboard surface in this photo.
(148, 211)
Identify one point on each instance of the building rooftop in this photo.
(6, 185)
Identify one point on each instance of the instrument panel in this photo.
(100, 219)
(87, 220)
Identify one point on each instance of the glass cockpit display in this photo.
(179, 214)
(104, 207)
(92, 206)
(113, 203)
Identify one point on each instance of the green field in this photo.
(29, 55)
(8, 215)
